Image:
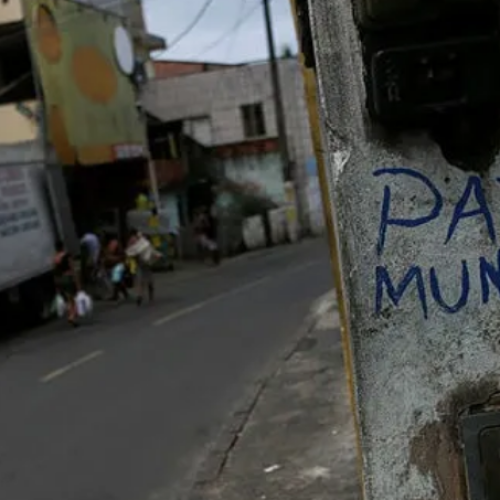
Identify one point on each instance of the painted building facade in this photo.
(233, 106)
(133, 12)
(90, 100)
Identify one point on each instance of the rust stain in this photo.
(435, 454)
(48, 37)
(436, 450)
(59, 136)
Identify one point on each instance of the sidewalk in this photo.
(297, 441)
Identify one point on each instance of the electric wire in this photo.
(192, 24)
(244, 18)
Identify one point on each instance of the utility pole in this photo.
(151, 168)
(277, 95)
(417, 266)
(296, 213)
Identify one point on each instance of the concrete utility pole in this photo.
(297, 212)
(410, 97)
(277, 94)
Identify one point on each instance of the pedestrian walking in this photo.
(115, 266)
(140, 249)
(66, 281)
(90, 257)
(212, 232)
(205, 232)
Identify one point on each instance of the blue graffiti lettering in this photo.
(489, 273)
(472, 204)
(464, 295)
(475, 187)
(383, 281)
(386, 220)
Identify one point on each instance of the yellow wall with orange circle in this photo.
(90, 103)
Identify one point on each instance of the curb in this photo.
(213, 464)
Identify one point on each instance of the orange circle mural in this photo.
(94, 75)
(59, 137)
(47, 34)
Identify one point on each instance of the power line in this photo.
(230, 47)
(232, 34)
(192, 24)
(246, 16)
(235, 32)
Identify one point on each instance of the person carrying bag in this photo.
(143, 253)
(66, 282)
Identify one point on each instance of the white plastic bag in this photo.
(59, 305)
(117, 273)
(84, 305)
(143, 251)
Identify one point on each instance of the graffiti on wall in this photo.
(391, 290)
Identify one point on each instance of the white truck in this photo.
(34, 212)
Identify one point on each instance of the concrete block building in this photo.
(224, 106)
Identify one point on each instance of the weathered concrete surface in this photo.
(299, 440)
(423, 360)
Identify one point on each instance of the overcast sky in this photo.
(169, 18)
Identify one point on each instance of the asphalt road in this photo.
(124, 407)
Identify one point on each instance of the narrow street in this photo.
(125, 407)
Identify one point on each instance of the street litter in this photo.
(84, 304)
(59, 305)
(317, 473)
(273, 468)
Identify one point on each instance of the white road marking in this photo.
(230, 293)
(178, 314)
(65, 369)
(215, 298)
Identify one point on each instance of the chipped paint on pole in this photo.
(418, 241)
